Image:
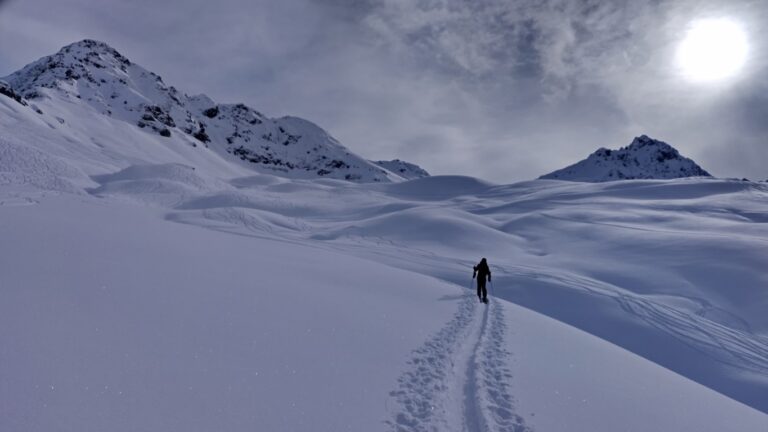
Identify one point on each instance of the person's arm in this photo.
(489, 274)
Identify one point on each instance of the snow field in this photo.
(115, 319)
(636, 263)
(149, 284)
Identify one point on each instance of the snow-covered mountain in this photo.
(404, 169)
(644, 158)
(93, 74)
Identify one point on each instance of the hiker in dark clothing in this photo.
(482, 271)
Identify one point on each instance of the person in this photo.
(482, 271)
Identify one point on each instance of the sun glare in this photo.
(713, 49)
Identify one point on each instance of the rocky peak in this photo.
(404, 169)
(643, 158)
(644, 141)
(7, 90)
(87, 60)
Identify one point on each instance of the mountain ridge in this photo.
(94, 73)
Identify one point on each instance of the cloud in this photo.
(592, 73)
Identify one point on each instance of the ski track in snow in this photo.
(494, 376)
(734, 347)
(458, 377)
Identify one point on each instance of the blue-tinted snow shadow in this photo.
(607, 318)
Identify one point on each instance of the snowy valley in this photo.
(170, 263)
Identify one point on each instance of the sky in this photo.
(501, 90)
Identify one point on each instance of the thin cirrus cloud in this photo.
(496, 89)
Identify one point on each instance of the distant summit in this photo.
(644, 158)
(93, 76)
(87, 60)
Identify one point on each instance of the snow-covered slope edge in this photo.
(93, 74)
(644, 158)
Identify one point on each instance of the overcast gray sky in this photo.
(502, 90)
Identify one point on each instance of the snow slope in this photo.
(644, 158)
(90, 76)
(671, 270)
(115, 319)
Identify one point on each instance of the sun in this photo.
(713, 49)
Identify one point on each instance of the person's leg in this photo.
(479, 288)
(485, 293)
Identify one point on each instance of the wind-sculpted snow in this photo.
(178, 173)
(165, 184)
(422, 226)
(740, 348)
(675, 259)
(23, 165)
(437, 188)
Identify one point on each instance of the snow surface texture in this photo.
(644, 158)
(96, 75)
(149, 284)
(114, 318)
